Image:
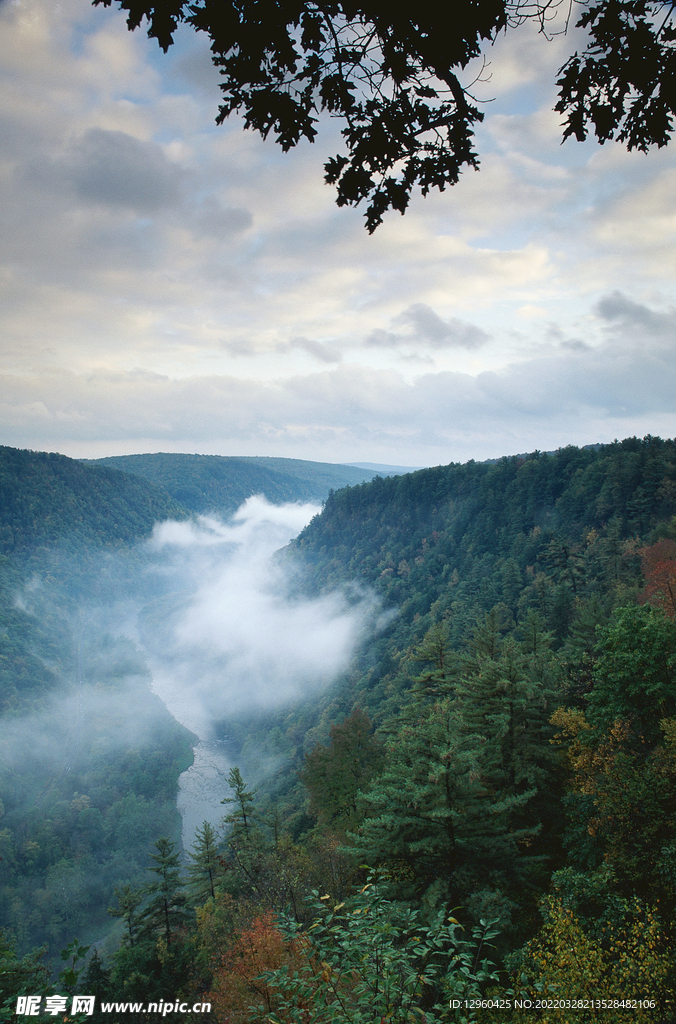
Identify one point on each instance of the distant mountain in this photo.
(382, 469)
(48, 499)
(218, 484)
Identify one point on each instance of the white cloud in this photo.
(621, 384)
(137, 234)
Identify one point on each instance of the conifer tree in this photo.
(242, 818)
(245, 841)
(635, 676)
(128, 902)
(431, 818)
(459, 804)
(205, 868)
(334, 774)
(167, 907)
(435, 653)
(96, 981)
(19, 974)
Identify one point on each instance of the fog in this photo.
(208, 616)
(234, 638)
(229, 637)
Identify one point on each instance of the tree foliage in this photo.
(19, 975)
(370, 959)
(166, 908)
(335, 774)
(659, 569)
(457, 809)
(393, 75)
(207, 864)
(636, 671)
(239, 966)
(621, 86)
(626, 960)
(242, 818)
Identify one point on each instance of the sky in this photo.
(171, 285)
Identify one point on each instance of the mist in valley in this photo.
(229, 637)
(203, 623)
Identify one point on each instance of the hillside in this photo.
(524, 698)
(501, 749)
(554, 533)
(215, 484)
(48, 499)
(89, 756)
(479, 531)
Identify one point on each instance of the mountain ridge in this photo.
(219, 484)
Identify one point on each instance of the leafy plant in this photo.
(370, 959)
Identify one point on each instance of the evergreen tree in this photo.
(243, 816)
(128, 902)
(431, 818)
(19, 975)
(436, 654)
(166, 909)
(206, 864)
(635, 676)
(245, 842)
(96, 981)
(334, 774)
(460, 803)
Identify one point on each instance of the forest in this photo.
(475, 821)
(217, 484)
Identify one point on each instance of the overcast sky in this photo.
(171, 285)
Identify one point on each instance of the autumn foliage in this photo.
(624, 961)
(240, 993)
(658, 563)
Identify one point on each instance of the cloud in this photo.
(137, 233)
(556, 335)
(567, 392)
(218, 221)
(621, 313)
(115, 169)
(239, 642)
(324, 353)
(193, 65)
(421, 326)
(424, 323)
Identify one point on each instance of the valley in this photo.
(448, 694)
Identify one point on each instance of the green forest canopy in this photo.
(504, 750)
(218, 484)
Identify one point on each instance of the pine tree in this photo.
(440, 663)
(245, 842)
(167, 907)
(128, 902)
(206, 865)
(459, 805)
(96, 982)
(423, 812)
(243, 816)
(635, 675)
